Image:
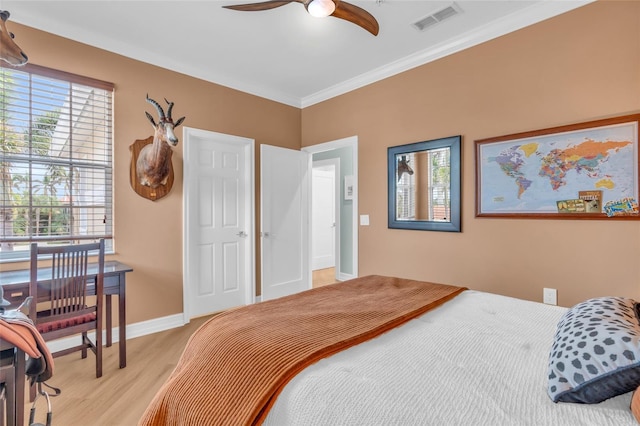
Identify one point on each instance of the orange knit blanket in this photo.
(238, 362)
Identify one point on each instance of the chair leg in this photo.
(98, 353)
(85, 339)
(32, 390)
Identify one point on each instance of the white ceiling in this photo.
(282, 54)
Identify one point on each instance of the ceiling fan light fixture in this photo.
(321, 8)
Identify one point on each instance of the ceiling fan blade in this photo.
(265, 5)
(357, 15)
(344, 10)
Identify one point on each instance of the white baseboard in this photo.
(345, 277)
(138, 329)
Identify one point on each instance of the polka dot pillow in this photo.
(596, 351)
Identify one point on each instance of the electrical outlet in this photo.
(550, 296)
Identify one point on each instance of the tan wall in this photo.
(580, 66)
(148, 235)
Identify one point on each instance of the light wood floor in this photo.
(120, 396)
(323, 277)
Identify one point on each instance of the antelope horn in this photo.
(153, 123)
(158, 107)
(169, 109)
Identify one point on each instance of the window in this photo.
(55, 159)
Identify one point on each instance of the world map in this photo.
(530, 175)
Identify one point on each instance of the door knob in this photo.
(242, 234)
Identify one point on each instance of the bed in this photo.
(472, 358)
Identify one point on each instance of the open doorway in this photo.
(325, 220)
(345, 153)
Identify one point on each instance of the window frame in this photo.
(28, 158)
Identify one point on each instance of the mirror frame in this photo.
(455, 145)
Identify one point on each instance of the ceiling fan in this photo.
(320, 8)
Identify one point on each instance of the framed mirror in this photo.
(424, 185)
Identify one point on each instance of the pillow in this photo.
(596, 351)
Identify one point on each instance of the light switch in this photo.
(364, 220)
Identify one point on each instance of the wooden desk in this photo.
(13, 376)
(16, 289)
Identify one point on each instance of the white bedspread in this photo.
(480, 359)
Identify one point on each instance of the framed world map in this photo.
(528, 174)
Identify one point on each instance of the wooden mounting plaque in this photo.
(142, 190)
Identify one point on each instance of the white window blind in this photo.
(440, 185)
(55, 159)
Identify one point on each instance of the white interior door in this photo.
(284, 192)
(323, 213)
(219, 222)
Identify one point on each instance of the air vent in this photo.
(440, 15)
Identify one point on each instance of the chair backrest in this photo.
(62, 291)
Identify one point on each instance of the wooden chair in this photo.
(63, 308)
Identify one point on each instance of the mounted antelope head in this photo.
(154, 160)
(404, 167)
(9, 51)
